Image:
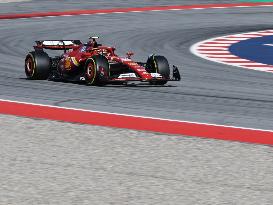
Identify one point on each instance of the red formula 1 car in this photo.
(94, 64)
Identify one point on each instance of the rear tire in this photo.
(37, 66)
(158, 64)
(97, 70)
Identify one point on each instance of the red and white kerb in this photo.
(217, 50)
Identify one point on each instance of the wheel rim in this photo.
(90, 72)
(30, 66)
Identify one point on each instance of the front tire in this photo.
(97, 70)
(37, 66)
(158, 64)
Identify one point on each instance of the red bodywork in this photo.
(76, 56)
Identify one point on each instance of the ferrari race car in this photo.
(94, 64)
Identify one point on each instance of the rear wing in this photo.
(57, 44)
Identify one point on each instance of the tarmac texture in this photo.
(46, 162)
(209, 92)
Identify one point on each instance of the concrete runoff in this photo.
(46, 162)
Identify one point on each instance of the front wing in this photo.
(125, 78)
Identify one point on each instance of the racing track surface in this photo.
(47, 162)
(208, 92)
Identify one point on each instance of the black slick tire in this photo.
(97, 70)
(158, 64)
(37, 65)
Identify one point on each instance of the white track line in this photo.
(137, 116)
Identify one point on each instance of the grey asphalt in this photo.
(45, 162)
(209, 92)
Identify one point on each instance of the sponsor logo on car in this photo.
(127, 75)
(75, 62)
(67, 64)
(83, 49)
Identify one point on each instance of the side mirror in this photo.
(129, 54)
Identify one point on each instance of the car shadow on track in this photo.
(105, 86)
